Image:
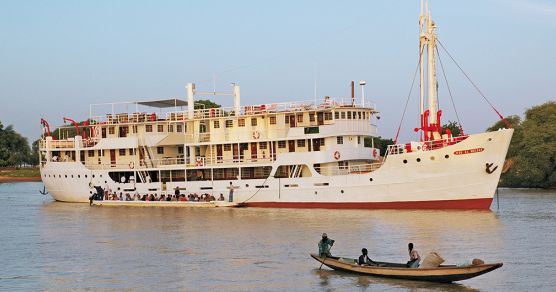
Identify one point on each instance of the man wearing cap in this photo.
(324, 246)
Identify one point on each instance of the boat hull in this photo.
(442, 274)
(452, 177)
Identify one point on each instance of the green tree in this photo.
(205, 103)
(380, 143)
(532, 153)
(14, 149)
(455, 128)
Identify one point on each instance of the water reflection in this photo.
(368, 282)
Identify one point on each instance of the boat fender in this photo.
(337, 155)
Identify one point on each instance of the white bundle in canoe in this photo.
(432, 260)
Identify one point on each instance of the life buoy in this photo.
(256, 135)
(337, 155)
(374, 153)
(132, 165)
(211, 113)
(198, 161)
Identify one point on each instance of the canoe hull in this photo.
(442, 274)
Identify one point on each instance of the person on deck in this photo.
(414, 257)
(364, 259)
(325, 244)
(231, 194)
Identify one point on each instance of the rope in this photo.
(449, 90)
(257, 190)
(408, 96)
(475, 86)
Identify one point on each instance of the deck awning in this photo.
(163, 103)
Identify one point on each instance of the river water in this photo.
(46, 245)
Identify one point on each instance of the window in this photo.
(216, 124)
(160, 150)
(287, 119)
(336, 115)
(358, 139)
(179, 128)
(131, 151)
(91, 153)
(321, 141)
(160, 128)
(359, 115)
(300, 118)
(227, 147)
(343, 114)
(273, 120)
(241, 122)
(262, 145)
(149, 128)
(253, 122)
(311, 117)
(170, 128)
(134, 129)
(339, 140)
(229, 123)
(300, 143)
(328, 116)
(281, 144)
(349, 115)
(99, 153)
(122, 152)
(180, 149)
(111, 130)
(342, 165)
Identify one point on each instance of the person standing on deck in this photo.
(231, 194)
(325, 244)
(414, 257)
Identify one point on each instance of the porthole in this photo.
(59, 176)
(432, 157)
(315, 192)
(66, 176)
(418, 159)
(371, 179)
(342, 191)
(246, 185)
(490, 139)
(446, 156)
(405, 161)
(101, 175)
(93, 176)
(85, 176)
(72, 176)
(78, 176)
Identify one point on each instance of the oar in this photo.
(324, 258)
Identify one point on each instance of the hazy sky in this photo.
(57, 57)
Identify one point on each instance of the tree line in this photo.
(15, 150)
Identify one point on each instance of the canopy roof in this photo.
(163, 103)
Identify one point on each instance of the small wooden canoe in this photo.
(443, 274)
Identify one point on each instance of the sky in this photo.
(58, 57)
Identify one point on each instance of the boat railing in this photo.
(68, 143)
(348, 169)
(423, 146)
(203, 113)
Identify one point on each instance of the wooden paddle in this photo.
(325, 258)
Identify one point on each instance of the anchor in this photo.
(44, 192)
(488, 166)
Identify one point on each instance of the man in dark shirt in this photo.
(364, 259)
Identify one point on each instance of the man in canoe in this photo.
(325, 244)
(364, 259)
(414, 257)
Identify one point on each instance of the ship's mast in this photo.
(427, 46)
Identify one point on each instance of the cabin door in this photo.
(235, 151)
(254, 151)
(316, 145)
(320, 118)
(292, 121)
(219, 153)
(113, 157)
(291, 145)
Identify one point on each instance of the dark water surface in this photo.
(47, 245)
